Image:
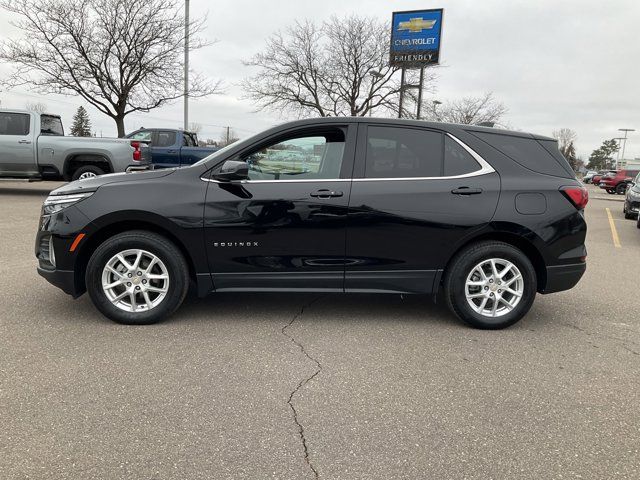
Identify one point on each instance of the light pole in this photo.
(624, 145)
(435, 108)
(186, 64)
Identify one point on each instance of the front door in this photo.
(284, 227)
(416, 194)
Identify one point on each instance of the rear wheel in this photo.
(490, 285)
(88, 171)
(621, 189)
(137, 278)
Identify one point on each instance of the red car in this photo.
(617, 182)
(596, 178)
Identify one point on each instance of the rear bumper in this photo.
(63, 279)
(563, 277)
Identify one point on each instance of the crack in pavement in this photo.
(302, 384)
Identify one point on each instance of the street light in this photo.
(624, 145)
(375, 74)
(435, 108)
(186, 65)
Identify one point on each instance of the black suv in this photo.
(488, 217)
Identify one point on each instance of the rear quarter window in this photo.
(530, 153)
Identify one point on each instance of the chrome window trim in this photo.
(485, 169)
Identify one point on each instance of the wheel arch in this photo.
(109, 229)
(520, 242)
(77, 160)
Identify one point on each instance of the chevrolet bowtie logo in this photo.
(416, 25)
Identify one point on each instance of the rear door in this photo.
(17, 148)
(165, 149)
(415, 195)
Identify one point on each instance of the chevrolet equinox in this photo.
(486, 217)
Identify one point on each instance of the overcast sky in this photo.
(553, 64)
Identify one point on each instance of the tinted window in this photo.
(51, 125)
(457, 161)
(528, 153)
(403, 152)
(189, 140)
(165, 139)
(14, 123)
(311, 157)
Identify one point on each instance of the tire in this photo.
(621, 189)
(463, 266)
(88, 171)
(165, 291)
(628, 215)
(638, 221)
(610, 191)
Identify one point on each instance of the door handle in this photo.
(172, 151)
(466, 191)
(25, 142)
(324, 193)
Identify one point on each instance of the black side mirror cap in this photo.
(232, 170)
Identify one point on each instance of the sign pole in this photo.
(420, 92)
(401, 93)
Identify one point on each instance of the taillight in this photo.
(577, 195)
(137, 154)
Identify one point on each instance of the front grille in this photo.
(44, 252)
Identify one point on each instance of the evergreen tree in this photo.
(602, 157)
(81, 124)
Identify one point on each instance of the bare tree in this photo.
(195, 128)
(121, 56)
(336, 68)
(566, 138)
(467, 110)
(37, 107)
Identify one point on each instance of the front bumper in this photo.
(563, 277)
(63, 279)
(632, 206)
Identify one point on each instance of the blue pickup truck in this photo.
(171, 147)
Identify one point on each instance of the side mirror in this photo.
(232, 170)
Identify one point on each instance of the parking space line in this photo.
(614, 231)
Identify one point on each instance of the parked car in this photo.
(589, 176)
(487, 217)
(172, 148)
(33, 145)
(617, 182)
(596, 178)
(632, 200)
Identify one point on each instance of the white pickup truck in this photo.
(33, 145)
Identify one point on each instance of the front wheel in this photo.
(490, 285)
(137, 278)
(610, 191)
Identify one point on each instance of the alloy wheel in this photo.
(494, 287)
(135, 280)
(86, 175)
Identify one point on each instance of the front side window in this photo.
(165, 139)
(14, 123)
(300, 158)
(51, 125)
(394, 152)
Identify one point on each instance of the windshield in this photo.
(222, 152)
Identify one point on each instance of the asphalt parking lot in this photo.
(333, 386)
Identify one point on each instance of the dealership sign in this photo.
(415, 37)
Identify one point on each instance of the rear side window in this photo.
(165, 139)
(457, 161)
(529, 153)
(403, 153)
(51, 125)
(14, 123)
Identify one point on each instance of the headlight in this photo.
(55, 203)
